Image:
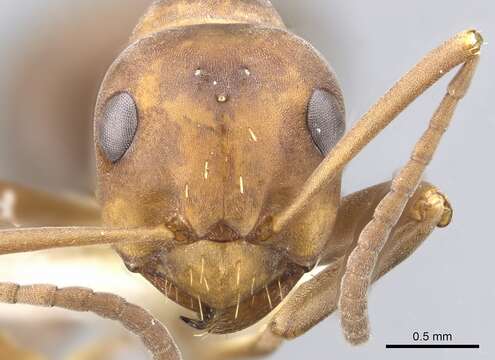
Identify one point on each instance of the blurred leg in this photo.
(8, 350)
(20, 206)
(105, 349)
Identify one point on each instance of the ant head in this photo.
(214, 128)
(210, 130)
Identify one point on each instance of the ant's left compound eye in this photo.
(118, 126)
(326, 120)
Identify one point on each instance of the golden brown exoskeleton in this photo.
(220, 147)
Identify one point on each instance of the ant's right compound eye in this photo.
(118, 126)
(326, 120)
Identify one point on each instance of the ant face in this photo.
(209, 131)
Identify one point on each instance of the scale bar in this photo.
(432, 346)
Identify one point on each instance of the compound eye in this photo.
(118, 126)
(326, 120)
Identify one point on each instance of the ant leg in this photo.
(357, 210)
(24, 207)
(363, 259)
(9, 350)
(153, 334)
(316, 299)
